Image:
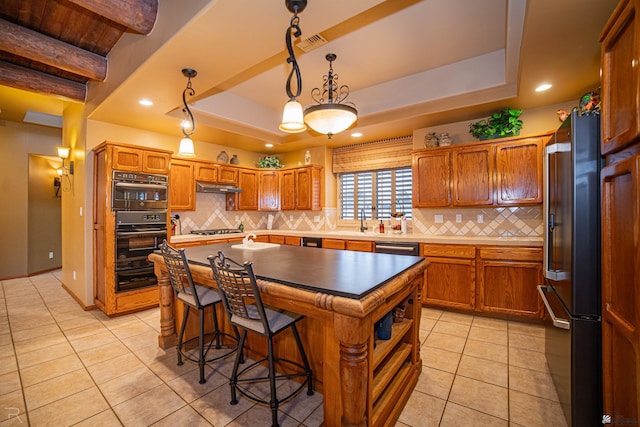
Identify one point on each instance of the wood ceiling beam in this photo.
(37, 47)
(44, 84)
(137, 15)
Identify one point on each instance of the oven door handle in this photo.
(558, 322)
(154, 233)
(135, 271)
(141, 185)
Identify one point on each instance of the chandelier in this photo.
(332, 114)
(188, 124)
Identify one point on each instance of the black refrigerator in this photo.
(571, 293)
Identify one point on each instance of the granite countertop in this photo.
(355, 235)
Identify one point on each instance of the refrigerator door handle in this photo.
(557, 321)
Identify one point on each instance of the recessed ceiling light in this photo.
(268, 145)
(543, 87)
(146, 102)
(356, 134)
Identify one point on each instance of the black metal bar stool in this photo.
(242, 301)
(198, 297)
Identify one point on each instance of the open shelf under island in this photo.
(365, 381)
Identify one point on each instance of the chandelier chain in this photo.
(294, 28)
(186, 110)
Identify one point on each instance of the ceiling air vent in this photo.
(312, 42)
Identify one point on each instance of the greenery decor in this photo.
(501, 124)
(270, 162)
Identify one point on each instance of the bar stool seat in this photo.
(243, 304)
(199, 298)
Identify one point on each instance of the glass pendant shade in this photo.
(186, 148)
(292, 119)
(63, 152)
(330, 119)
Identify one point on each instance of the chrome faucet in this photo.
(363, 226)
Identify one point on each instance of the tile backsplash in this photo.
(489, 222)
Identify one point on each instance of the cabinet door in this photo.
(127, 159)
(228, 175)
(359, 245)
(153, 162)
(621, 289)
(519, 172)
(287, 190)
(307, 188)
(206, 172)
(431, 179)
(269, 191)
(621, 78)
(450, 282)
(333, 244)
(473, 176)
(248, 198)
(182, 189)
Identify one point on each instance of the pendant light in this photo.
(331, 115)
(188, 124)
(292, 118)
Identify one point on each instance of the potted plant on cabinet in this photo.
(271, 162)
(501, 124)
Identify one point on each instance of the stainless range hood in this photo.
(209, 187)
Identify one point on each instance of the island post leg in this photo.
(167, 337)
(353, 335)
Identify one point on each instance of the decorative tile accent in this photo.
(497, 222)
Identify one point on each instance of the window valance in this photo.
(368, 156)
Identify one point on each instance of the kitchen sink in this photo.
(254, 246)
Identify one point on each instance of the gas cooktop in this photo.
(215, 231)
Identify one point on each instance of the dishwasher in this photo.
(312, 242)
(397, 248)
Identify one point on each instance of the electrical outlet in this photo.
(290, 217)
(74, 275)
(316, 218)
(50, 255)
(480, 219)
(80, 210)
(458, 218)
(438, 219)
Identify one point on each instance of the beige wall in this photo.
(17, 142)
(44, 214)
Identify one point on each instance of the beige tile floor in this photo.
(60, 365)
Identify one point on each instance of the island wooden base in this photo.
(364, 381)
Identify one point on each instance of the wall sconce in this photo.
(56, 184)
(188, 124)
(63, 153)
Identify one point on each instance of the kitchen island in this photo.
(343, 294)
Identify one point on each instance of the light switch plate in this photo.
(480, 219)
(458, 218)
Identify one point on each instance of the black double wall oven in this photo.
(140, 202)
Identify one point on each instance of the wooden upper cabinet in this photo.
(153, 162)
(269, 191)
(206, 172)
(300, 188)
(621, 78)
(308, 184)
(140, 160)
(247, 200)
(431, 178)
(519, 172)
(182, 189)
(227, 174)
(473, 176)
(287, 190)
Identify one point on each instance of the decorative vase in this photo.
(234, 160)
(307, 157)
(223, 157)
(430, 140)
(444, 139)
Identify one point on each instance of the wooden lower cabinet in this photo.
(507, 281)
(450, 279)
(333, 244)
(359, 245)
(285, 240)
(501, 280)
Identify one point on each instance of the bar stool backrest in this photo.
(240, 293)
(180, 274)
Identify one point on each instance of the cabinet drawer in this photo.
(450, 251)
(333, 244)
(504, 253)
(359, 245)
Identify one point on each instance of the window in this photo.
(379, 193)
